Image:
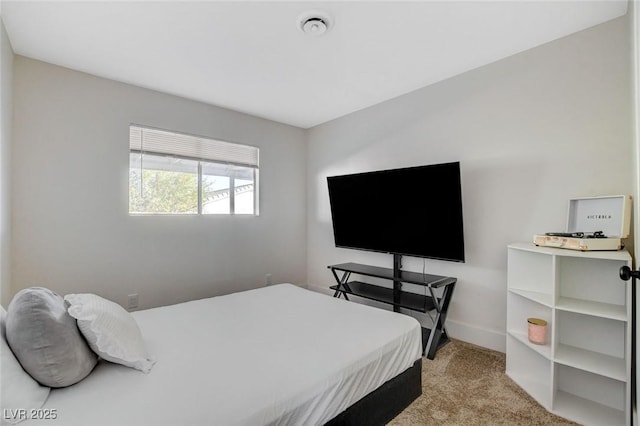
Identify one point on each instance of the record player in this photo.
(594, 223)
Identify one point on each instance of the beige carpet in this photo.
(466, 385)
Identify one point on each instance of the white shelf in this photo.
(583, 372)
(594, 362)
(585, 411)
(621, 255)
(587, 307)
(544, 350)
(542, 298)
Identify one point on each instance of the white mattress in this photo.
(275, 355)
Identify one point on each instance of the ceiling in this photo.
(252, 57)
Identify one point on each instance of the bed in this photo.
(276, 355)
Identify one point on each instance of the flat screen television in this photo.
(414, 211)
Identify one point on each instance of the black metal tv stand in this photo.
(432, 338)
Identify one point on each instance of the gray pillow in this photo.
(46, 339)
(18, 389)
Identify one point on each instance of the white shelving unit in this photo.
(583, 372)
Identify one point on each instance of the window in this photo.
(173, 173)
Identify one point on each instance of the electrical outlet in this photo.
(132, 301)
(267, 279)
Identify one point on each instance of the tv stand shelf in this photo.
(412, 301)
(432, 338)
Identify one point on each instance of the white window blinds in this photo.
(144, 139)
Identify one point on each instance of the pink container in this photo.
(537, 331)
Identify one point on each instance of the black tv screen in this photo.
(414, 211)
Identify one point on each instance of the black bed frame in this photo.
(383, 404)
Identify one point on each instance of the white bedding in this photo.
(275, 355)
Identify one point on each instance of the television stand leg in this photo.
(343, 287)
(438, 335)
(397, 284)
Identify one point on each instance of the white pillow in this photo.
(110, 330)
(19, 390)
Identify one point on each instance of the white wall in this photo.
(71, 228)
(6, 116)
(530, 131)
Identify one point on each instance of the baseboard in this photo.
(489, 339)
(478, 336)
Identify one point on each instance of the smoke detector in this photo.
(314, 23)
